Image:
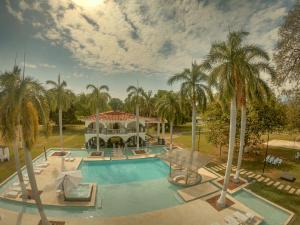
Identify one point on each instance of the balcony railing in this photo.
(112, 131)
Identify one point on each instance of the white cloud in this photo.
(41, 65)
(157, 36)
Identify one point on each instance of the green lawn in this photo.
(73, 137)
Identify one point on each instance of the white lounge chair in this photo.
(1, 155)
(43, 164)
(279, 162)
(38, 171)
(271, 159)
(12, 194)
(250, 216)
(231, 220)
(16, 188)
(240, 217)
(267, 158)
(275, 161)
(15, 184)
(6, 154)
(67, 159)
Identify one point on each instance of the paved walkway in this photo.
(261, 179)
(191, 213)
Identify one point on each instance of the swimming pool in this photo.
(124, 187)
(272, 214)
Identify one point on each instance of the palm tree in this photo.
(252, 88)
(148, 104)
(96, 100)
(135, 94)
(28, 103)
(230, 71)
(60, 98)
(194, 89)
(167, 107)
(9, 119)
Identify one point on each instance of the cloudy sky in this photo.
(119, 42)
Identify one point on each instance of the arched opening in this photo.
(131, 127)
(115, 141)
(131, 142)
(91, 128)
(92, 143)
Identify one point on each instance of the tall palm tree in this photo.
(60, 99)
(9, 119)
(195, 90)
(229, 71)
(135, 94)
(27, 103)
(97, 99)
(252, 88)
(168, 107)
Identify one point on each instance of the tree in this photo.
(167, 107)
(135, 96)
(194, 90)
(254, 60)
(9, 118)
(116, 104)
(148, 104)
(60, 99)
(287, 52)
(225, 60)
(217, 124)
(98, 99)
(81, 105)
(26, 100)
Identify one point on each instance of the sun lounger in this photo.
(12, 194)
(297, 156)
(15, 184)
(6, 154)
(16, 188)
(43, 164)
(275, 161)
(240, 217)
(267, 158)
(230, 220)
(1, 155)
(271, 159)
(38, 171)
(71, 159)
(250, 216)
(67, 159)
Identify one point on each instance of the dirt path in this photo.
(284, 144)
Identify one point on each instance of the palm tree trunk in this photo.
(97, 128)
(34, 188)
(221, 200)
(137, 127)
(242, 143)
(171, 135)
(18, 168)
(194, 127)
(61, 138)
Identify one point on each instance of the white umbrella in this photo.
(68, 180)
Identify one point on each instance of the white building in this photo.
(119, 128)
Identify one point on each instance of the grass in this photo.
(73, 137)
(283, 199)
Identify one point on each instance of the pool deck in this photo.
(46, 182)
(192, 213)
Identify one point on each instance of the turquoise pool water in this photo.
(124, 187)
(272, 215)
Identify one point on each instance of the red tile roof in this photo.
(111, 115)
(119, 116)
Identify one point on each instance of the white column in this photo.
(158, 130)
